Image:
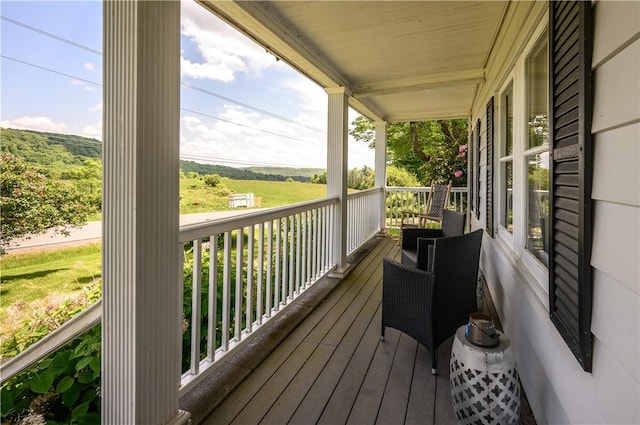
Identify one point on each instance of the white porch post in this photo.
(381, 168)
(141, 120)
(337, 163)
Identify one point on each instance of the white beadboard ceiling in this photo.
(401, 60)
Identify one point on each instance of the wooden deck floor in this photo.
(333, 368)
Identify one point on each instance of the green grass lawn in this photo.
(36, 277)
(197, 197)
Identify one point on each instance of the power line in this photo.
(253, 108)
(48, 34)
(52, 70)
(191, 157)
(240, 125)
(184, 83)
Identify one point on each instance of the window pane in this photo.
(538, 95)
(538, 206)
(507, 196)
(507, 102)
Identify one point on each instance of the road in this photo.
(92, 232)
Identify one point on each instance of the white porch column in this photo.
(141, 120)
(381, 168)
(337, 163)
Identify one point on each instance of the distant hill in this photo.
(289, 172)
(236, 173)
(48, 149)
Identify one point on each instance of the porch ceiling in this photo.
(401, 60)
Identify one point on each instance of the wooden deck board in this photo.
(333, 368)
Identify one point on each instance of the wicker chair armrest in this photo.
(424, 254)
(410, 236)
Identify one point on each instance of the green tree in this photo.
(401, 177)
(361, 178)
(88, 180)
(431, 150)
(319, 178)
(212, 180)
(33, 203)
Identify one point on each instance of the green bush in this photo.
(62, 388)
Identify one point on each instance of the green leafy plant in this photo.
(62, 388)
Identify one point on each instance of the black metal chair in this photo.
(416, 241)
(431, 306)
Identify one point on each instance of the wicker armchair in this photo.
(427, 306)
(415, 241)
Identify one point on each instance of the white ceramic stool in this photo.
(484, 382)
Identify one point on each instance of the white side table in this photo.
(484, 382)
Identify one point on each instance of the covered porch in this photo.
(392, 62)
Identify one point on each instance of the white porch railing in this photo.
(415, 199)
(364, 210)
(264, 260)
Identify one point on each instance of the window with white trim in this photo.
(523, 162)
(536, 153)
(506, 158)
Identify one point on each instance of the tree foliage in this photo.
(33, 202)
(431, 150)
(401, 177)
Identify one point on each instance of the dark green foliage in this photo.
(62, 388)
(212, 180)
(233, 173)
(50, 148)
(33, 203)
(432, 150)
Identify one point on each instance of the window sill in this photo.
(534, 275)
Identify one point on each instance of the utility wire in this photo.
(51, 70)
(190, 157)
(184, 83)
(240, 125)
(244, 105)
(48, 34)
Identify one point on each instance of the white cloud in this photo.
(96, 108)
(89, 66)
(258, 141)
(85, 86)
(94, 131)
(224, 52)
(35, 123)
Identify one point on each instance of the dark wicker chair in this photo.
(427, 306)
(415, 241)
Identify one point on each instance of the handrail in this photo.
(192, 232)
(52, 341)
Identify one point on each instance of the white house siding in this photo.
(557, 388)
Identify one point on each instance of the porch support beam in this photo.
(436, 81)
(141, 306)
(381, 168)
(337, 163)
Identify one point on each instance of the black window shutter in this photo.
(471, 180)
(489, 169)
(570, 286)
(477, 170)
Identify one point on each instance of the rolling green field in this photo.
(196, 197)
(33, 281)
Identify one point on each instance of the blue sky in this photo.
(51, 80)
